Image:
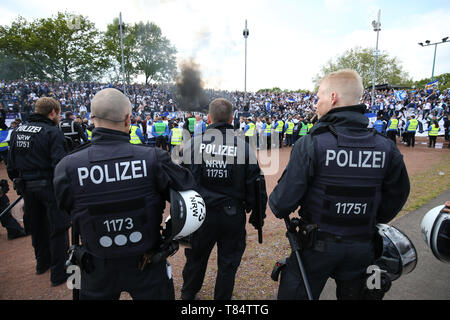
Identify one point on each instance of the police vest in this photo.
(251, 130)
(394, 125)
(413, 123)
(3, 136)
(134, 138)
(280, 126)
(67, 127)
(177, 136)
(160, 128)
(191, 124)
(268, 130)
(345, 193)
(303, 130)
(220, 170)
(119, 210)
(290, 128)
(434, 131)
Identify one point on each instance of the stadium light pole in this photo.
(121, 48)
(245, 73)
(444, 40)
(376, 27)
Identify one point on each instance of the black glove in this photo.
(254, 220)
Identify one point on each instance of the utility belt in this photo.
(324, 236)
(21, 184)
(229, 207)
(79, 256)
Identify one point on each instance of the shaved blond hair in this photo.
(347, 84)
(110, 105)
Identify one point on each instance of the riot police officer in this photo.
(35, 149)
(115, 192)
(226, 170)
(346, 178)
(73, 131)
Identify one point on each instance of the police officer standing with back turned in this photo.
(346, 178)
(115, 192)
(73, 131)
(226, 170)
(35, 149)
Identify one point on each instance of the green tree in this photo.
(12, 68)
(362, 60)
(66, 47)
(157, 57)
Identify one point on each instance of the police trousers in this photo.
(110, 277)
(49, 228)
(345, 262)
(226, 228)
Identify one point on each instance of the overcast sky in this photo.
(289, 39)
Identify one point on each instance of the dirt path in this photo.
(17, 263)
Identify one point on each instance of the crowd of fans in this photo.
(151, 101)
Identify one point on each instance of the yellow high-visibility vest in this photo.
(434, 131)
(134, 139)
(89, 134)
(280, 126)
(290, 128)
(177, 136)
(251, 130)
(394, 124)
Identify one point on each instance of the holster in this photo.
(153, 257)
(19, 186)
(307, 234)
(79, 256)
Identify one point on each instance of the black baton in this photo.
(291, 234)
(10, 206)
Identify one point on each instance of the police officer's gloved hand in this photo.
(254, 220)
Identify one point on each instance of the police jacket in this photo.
(224, 166)
(36, 147)
(344, 176)
(115, 192)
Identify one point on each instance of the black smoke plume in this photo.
(189, 84)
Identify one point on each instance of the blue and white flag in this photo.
(432, 84)
(268, 106)
(372, 118)
(290, 100)
(400, 95)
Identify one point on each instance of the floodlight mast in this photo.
(376, 27)
(245, 73)
(428, 43)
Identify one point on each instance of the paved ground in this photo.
(430, 280)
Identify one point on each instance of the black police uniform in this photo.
(73, 131)
(226, 175)
(35, 149)
(115, 192)
(346, 178)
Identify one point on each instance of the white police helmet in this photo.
(187, 213)
(436, 232)
(398, 256)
